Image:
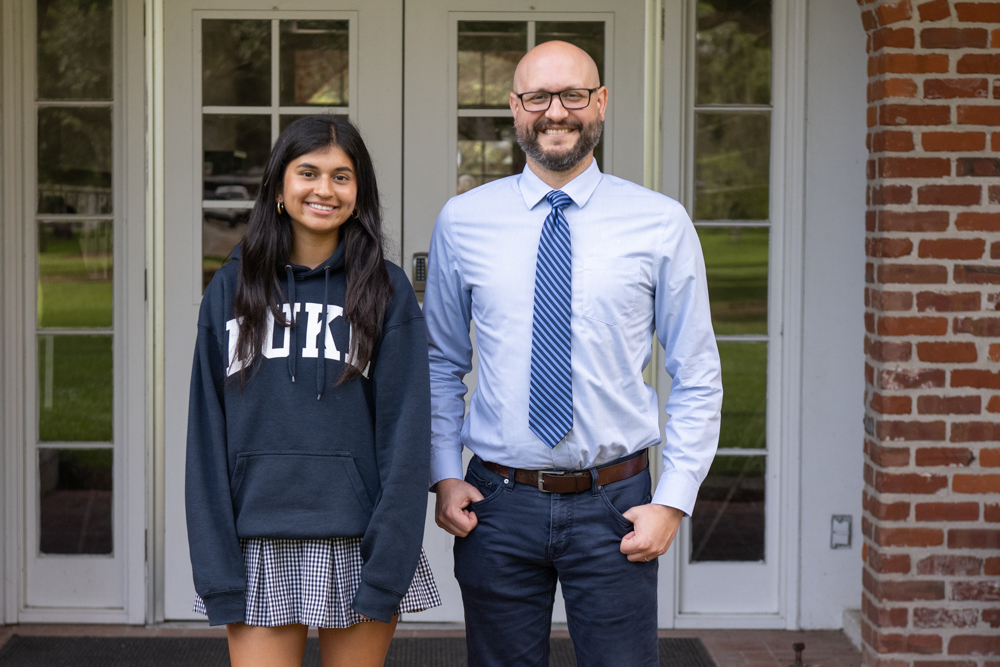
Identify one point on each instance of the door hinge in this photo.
(145, 285)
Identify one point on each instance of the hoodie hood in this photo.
(335, 262)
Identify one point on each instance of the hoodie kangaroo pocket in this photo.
(299, 495)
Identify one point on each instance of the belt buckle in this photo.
(541, 482)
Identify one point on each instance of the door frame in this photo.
(18, 298)
(664, 171)
(11, 294)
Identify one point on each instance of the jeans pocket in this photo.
(487, 483)
(619, 497)
(616, 514)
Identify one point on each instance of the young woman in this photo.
(309, 425)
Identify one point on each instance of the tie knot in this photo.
(558, 199)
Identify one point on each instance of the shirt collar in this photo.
(533, 189)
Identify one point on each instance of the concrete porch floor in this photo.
(729, 648)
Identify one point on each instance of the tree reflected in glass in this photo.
(74, 49)
(488, 52)
(74, 160)
(733, 52)
(236, 62)
(732, 166)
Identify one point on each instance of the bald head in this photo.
(555, 66)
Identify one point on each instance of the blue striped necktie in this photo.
(550, 404)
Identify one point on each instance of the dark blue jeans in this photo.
(525, 540)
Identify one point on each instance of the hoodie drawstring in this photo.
(291, 326)
(323, 333)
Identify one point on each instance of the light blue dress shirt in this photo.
(637, 268)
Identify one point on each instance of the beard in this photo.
(562, 159)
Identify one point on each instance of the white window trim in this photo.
(155, 327)
(787, 196)
(11, 305)
(790, 114)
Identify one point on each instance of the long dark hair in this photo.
(268, 243)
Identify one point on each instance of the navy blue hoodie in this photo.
(296, 456)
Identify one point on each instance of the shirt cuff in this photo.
(676, 490)
(445, 464)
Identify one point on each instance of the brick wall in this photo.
(931, 519)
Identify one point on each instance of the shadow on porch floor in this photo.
(729, 648)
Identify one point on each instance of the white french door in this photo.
(80, 467)
(460, 60)
(235, 72)
(724, 143)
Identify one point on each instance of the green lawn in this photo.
(75, 395)
(744, 382)
(74, 287)
(75, 290)
(736, 261)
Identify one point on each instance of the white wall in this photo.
(833, 328)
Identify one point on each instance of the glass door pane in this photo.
(75, 272)
(74, 50)
(236, 63)
(733, 52)
(76, 512)
(75, 388)
(729, 522)
(315, 63)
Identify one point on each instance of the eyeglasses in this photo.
(541, 100)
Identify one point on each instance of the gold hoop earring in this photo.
(281, 209)
(355, 214)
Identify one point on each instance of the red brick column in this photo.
(931, 519)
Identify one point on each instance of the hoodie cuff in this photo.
(225, 608)
(375, 602)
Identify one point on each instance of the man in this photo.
(565, 272)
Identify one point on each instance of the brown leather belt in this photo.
(573, 481)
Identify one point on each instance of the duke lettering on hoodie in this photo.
(314, 328)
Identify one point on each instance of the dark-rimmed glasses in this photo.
(571, 99)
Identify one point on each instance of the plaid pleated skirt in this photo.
(313, 582)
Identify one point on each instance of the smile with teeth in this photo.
(557, 130)
(319, 207)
